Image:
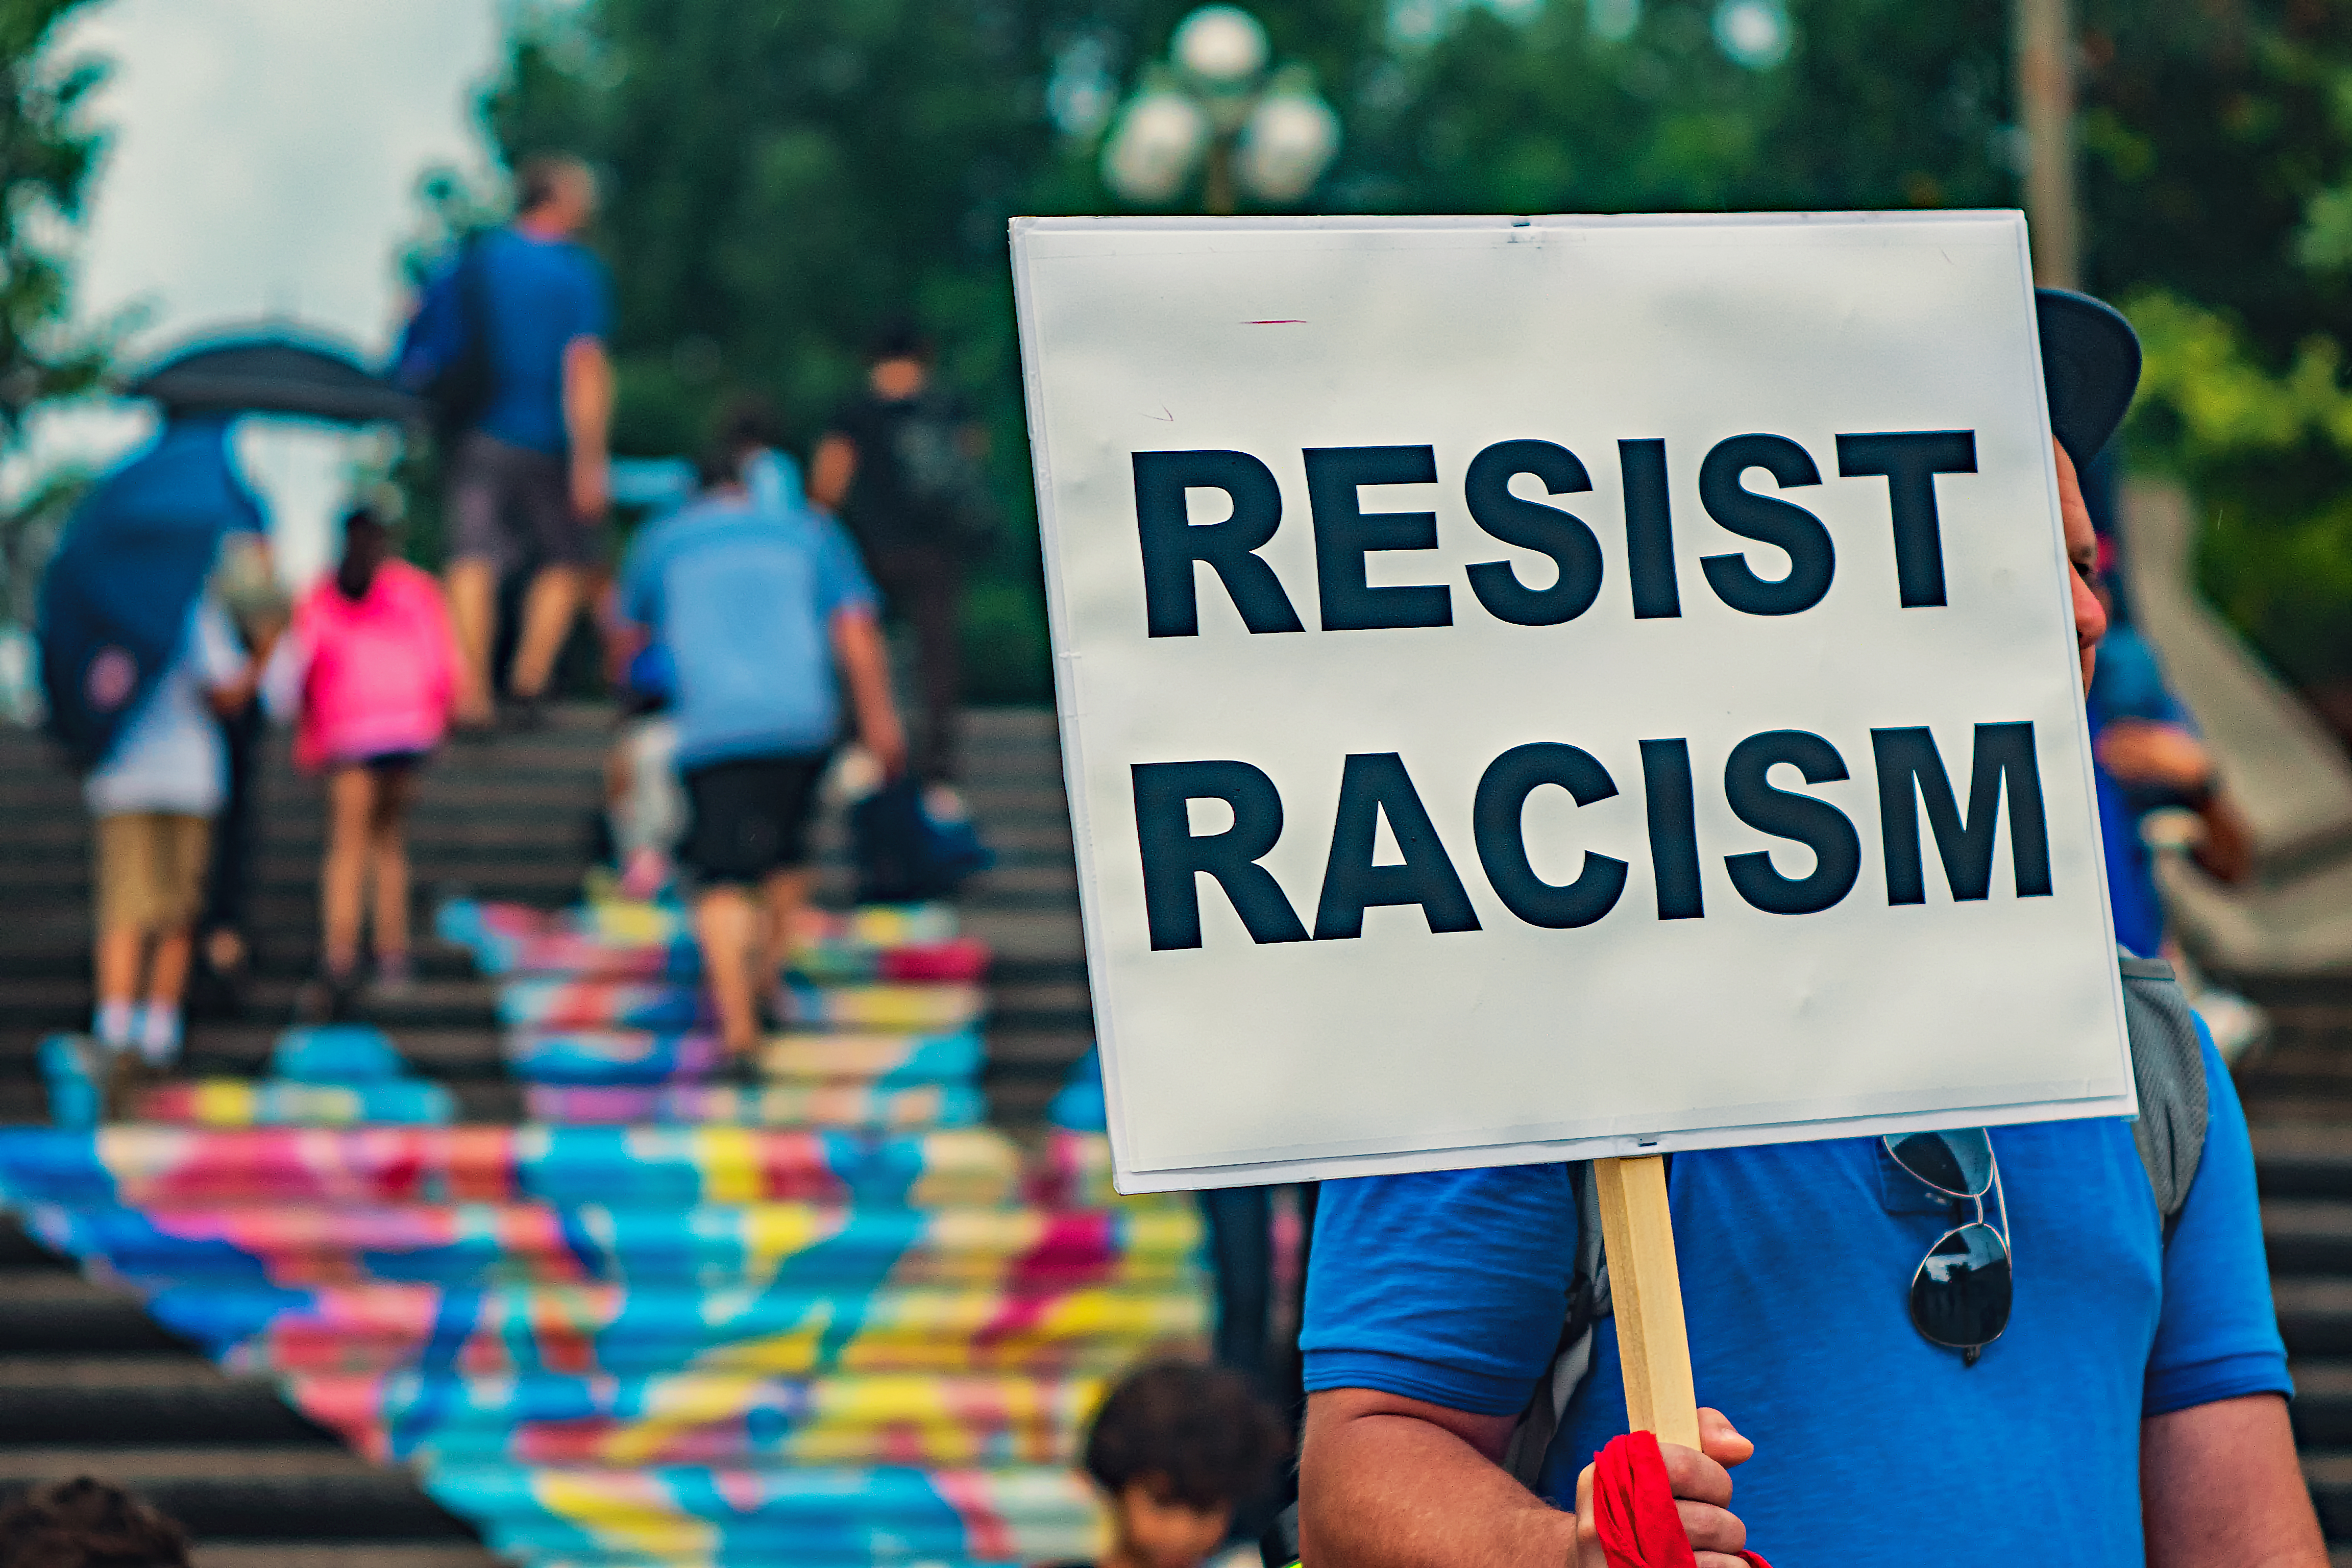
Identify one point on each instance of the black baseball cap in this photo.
(2090, 367)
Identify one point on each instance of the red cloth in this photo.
(1634, 1508)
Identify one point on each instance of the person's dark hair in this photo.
(744, 426)
(899, 339)
(87, 1523)
(1202, 1431)
(539, 177)
(367, 543)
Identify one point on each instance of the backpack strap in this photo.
(2168, 1068)
(1587, 1303)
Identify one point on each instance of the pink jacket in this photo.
(380, 676)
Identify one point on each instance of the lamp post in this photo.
(2042, 46)
(1215, 107)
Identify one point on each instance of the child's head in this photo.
(1175, 1446)
(86, 1523)
(367, 545)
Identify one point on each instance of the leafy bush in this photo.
(2268, 455)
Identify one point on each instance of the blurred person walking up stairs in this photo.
(508, 347)
(372, 667)
(258, 605)
(756, 606)
(902, 467)
(137, 657)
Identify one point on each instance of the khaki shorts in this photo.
(151, 868)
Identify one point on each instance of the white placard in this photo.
(1533, 688)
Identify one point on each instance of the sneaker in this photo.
(395, 977)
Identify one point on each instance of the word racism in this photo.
(1910, 769)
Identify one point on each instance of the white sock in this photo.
(114, 1023)
(158, 1033)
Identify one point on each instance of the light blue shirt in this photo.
(170, 757)
(743, 598)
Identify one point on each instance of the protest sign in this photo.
(1542, 688)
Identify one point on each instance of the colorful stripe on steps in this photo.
(621, 941)
(1139, 1244)
(912, 1109)
(551, 1002)
(284, 1102)
(146, 1166)
(821, 1517)
(643, 1056)
(739, 1418)
(783, 1330)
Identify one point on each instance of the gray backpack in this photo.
(2168, 1067)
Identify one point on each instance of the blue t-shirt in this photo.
(2131, 872)
(541, 295)
(2129, 683)
(1872, 1444)
(744, 598)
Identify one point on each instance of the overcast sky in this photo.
(263, 161)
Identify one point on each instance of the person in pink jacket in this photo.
(373, 665)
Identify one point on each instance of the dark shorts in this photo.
(509, 504)
(750, 817)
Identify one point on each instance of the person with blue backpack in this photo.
(508, 349)
(2029, 1344)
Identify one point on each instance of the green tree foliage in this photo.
(47, 154)
(785, 175)
(2218, 146)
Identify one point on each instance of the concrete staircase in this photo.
(277, 1462)
(2298, 1095)
(2293, 920)
(274, 1392)
(2284, 938)
(507, 820)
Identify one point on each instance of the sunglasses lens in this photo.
(1960, 1296)
(1958, 1162)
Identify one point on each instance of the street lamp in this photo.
(1215, 107)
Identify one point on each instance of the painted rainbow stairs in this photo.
(829, 1318)
(535, 1278)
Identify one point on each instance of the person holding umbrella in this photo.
(138, 658)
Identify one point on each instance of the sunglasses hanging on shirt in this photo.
(1960, 1292)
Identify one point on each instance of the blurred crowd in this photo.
(741, 630)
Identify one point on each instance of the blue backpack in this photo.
(907, 851)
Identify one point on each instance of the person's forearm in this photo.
(2219, 1488)
(2227, 851)
(587, 397)
(1390, 1492)
(865, 671)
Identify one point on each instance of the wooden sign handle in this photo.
(1646, 1292)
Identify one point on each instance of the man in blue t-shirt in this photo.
(766, 614)
(2126, 1408)
(531, 477)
